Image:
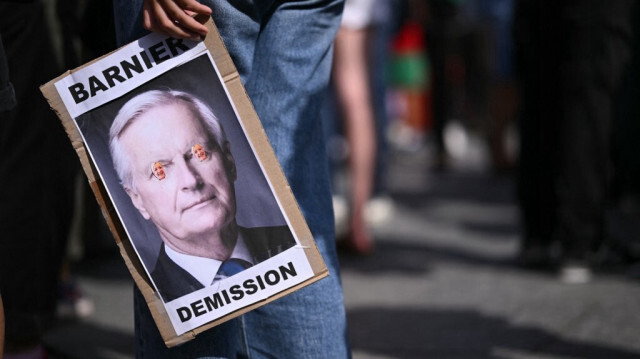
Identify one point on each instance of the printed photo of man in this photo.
(175, 163)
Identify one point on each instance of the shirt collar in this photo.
(205, 269)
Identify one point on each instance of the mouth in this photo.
(199, 203)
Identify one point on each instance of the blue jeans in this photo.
(283, 53)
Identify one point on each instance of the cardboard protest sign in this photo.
(190, 187)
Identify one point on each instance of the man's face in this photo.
(194, 200)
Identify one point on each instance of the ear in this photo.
(230, 163)
(137, 202)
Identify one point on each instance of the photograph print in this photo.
(185, 181)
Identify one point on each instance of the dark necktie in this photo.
(231, 267)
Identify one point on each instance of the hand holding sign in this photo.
(175, 18)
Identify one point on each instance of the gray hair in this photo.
(140, 104)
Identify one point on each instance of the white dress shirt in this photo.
(205, 269)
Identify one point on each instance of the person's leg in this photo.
(222, 341)
(382, 33)
(283, 55)
(352, 89)
(36, 171)
(438, 35)
(597, 40)
(127, 17)
(287, 83)
(535, 59)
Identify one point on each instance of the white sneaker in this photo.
(340, 215)
(574, 273)
(379, 211)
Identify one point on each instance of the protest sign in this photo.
(187, 180)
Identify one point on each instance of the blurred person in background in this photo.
(624, 223)
(360, 118)
(439, 21)
(503, 93)
(472, 82)
(491, 23)
(36, 172)
(387, 16)
(570, 56)
(353, 93)
(86, 32)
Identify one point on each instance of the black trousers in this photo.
(36, 169)
(570, 55)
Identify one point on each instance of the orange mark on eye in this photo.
(158, 170)
(199, 152)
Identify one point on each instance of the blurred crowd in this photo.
(545, 91)
(548, 88)
(48, 219)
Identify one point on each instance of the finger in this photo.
(149, 15)
(176, 12)
(196, 7)
(146, 17)
(161, 20)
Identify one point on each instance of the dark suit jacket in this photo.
(263, 243)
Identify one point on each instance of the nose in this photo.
(188, 176)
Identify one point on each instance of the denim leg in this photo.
(128, 20)
(223, 341)
(282, 51)
(287, 87)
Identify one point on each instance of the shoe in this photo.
(379, 211)
(575, 273)
(72, 303)
(341, 215)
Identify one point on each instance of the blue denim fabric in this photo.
(283, 51)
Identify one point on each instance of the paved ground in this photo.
(441, 284)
